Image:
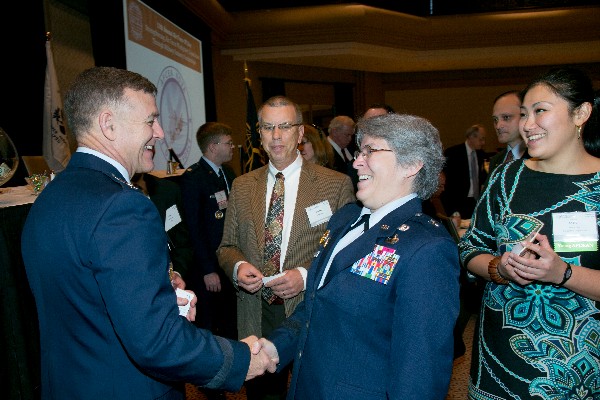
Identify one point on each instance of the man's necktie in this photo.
(223, 184)
(273, 232)
(345, 241)
(347, 155)
(475, 175)
(509, 156)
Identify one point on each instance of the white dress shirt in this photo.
(291, 182)
(344, 153)
(469, 151)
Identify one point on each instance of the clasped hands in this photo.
(263, 356)
(286, 286)
(539, 263)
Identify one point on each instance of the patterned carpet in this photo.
(458, 384)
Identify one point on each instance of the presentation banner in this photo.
(172, 59)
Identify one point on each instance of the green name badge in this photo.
(575, 246)
(575, 231)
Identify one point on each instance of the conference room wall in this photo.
(452, 100)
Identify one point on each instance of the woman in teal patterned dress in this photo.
(538, 336)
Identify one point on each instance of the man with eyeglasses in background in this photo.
(259, 241)
(205, 190)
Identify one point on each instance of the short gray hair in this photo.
(474, 130)
(413, 140)
(280, 101)
(98, 87)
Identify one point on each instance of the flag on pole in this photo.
(55, 147)
(253, 157)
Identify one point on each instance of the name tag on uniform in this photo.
(319, 213)
(221, 198)
(172, 217)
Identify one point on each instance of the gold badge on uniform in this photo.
(324, 239)
(392, 239)
(218, 214)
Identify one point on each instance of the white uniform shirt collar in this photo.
(386, 209)
(212, 165)
(109, 160)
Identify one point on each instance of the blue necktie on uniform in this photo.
(223, 182)
(363, 220)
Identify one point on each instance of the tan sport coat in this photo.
(244, 233)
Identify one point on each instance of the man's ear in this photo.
(300, 133)
(106, 125)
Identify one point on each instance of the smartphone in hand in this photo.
(519, 249)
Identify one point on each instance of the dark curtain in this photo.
(272, 87)
(344, 99)
(23, 69)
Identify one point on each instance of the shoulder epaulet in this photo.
(123, 182)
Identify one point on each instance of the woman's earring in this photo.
(579, 132)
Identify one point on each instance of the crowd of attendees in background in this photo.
(361, 215)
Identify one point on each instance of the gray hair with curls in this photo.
(413, 140)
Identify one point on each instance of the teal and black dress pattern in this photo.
(536, 341)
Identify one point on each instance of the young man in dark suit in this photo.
(205, 187)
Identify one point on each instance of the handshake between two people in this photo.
(263, 356)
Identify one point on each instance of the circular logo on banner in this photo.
(175, 114)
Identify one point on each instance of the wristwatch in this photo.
(566, 276)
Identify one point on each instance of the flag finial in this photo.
(246, 79)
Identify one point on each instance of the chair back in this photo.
(35, 164)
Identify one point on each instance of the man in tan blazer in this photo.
(311, 194)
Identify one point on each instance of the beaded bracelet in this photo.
(494, 274)
(172, 272)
